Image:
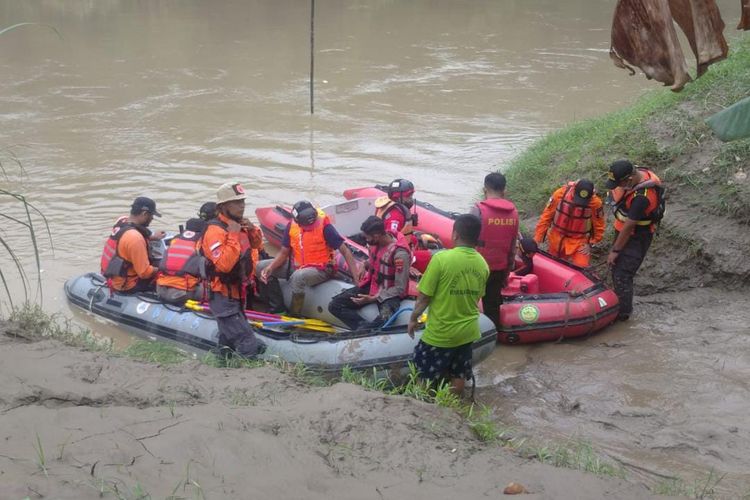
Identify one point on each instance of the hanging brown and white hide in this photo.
(701, 22)
(643, 34)
(745, 18)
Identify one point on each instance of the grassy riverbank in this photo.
(708, 206)
(32, 323)
(657, 131)
(83, 423)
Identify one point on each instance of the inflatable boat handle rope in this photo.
(395, 316)
(93, 296)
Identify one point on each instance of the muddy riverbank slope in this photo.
(82, 424)
(665, 393)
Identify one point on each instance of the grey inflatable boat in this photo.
(389, 348)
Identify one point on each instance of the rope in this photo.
(93, 296)
(395, 316)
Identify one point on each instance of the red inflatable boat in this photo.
(430, 219)
(346, 216)
(557, 300)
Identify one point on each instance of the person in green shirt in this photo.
(451, 286)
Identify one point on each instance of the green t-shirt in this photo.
(455, 280)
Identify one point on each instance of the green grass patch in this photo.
(41, 459)
(31, 322)
(585, 149)
(298, 371)
(699, 488)
(572, 454)
(155, 352)
(692, 248)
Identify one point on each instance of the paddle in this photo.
(263, 315)
(266, 319)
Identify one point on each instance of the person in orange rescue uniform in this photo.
(182, 270)
(572, 221)
(228, 243)
(125, 259)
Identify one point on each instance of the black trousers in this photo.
(141, 285)
(347, 311)
(234, 330)
(493, 299)
(627, 264)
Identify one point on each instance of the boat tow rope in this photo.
(395, 316)
(398, 312)
(93, 296)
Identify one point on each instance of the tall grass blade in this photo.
(21, 272)
(36, 250)
(23, 200)
(44, 219)
(9, 151)
(10, 28)
(40, 457)
(9, 217)
(29, 223)
(7, 289)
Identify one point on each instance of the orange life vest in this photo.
(382, 271)
(308, 244)
(183, 256)
(571, 220)
(623, 199)
(243, 269)
(499, 227)
(112, 264)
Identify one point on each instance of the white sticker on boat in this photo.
(142, 307)
(602, 303)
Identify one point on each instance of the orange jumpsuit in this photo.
(224, 250)
(567, 242)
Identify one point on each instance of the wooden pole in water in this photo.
(312, 53)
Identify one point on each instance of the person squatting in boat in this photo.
(385, 283)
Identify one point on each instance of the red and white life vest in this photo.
(499, 228)
(570, 219)
(382, 271)
(183, 256)
(112, 264)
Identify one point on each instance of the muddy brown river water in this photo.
(170, 99)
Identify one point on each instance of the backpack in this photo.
(661, 207)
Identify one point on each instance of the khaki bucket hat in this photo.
(230, 191)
